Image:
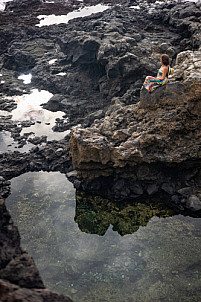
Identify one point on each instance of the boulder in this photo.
(22, 271)
(13, 293)
(194, 203)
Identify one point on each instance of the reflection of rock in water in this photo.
(95, 214)
(34, 115)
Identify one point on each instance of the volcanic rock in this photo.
(155, 140)
(133, 148)
(11, 293)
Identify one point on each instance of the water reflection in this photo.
(29, 105)
(94, 214)
(159, 262)
(7, 143)
(40, 121)
(26, 78)
(3, 4)
(83, 12)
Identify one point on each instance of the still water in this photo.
(80, 13)
(29, 108)
(92, 249)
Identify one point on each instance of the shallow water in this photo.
(7, 143)
(3, 4)
(29, 108)
(83, 12)
(144, 249)
(26, 78)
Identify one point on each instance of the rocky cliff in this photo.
(151, 146)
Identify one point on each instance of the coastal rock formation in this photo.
(11, 293)
(156, 142)
(90, 60)
(95, 68)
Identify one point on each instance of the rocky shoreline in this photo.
(126, 144)
(150, 147)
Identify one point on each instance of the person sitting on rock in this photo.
(151, 83)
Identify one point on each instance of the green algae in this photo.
(95, 214)
(143, 252)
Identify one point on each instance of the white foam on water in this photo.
(86, 11)
(26, 78)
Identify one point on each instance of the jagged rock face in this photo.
(9, 237)
(11, 293)
(103, 55)
(15, 265)
(21, 270)
(4, 188)
(54, 156)
(156, 129)
(152, 140)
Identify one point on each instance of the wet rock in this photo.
(22, 271)
(137, 189)
(21, 279)
(169, 188)
(152, 189)
(71, 174)
(4, 188)
(14, 293)
(187, 191)
(43, 158)
(194, 203)
(9, 238)
(7, 105)
(37, 140)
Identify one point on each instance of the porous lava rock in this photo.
(12, 293)
(157, 141)
(100, 61)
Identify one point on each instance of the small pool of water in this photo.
(3, 4)
(7, 143)
(82, 12)
(26, 78)
(29, 109)
(94, 250)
